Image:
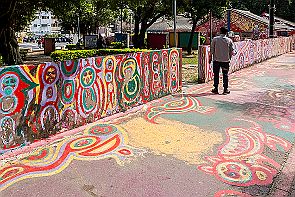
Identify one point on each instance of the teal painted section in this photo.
(184, 39)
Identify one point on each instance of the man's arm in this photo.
(231, 49)
(212, 50)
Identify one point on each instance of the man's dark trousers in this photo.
(225, 69)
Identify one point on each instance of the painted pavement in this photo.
(188, 144)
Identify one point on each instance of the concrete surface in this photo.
(189, 144)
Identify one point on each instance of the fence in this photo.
(38, 101)
(247, 53)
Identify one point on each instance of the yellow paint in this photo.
(35, 80)
(74, 156)
(184, 142)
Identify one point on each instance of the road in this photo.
(188, 144)
(35, 47)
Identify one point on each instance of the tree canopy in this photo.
(91, 14)
(196, 10)
(284, 8)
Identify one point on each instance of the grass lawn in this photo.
(190, 59)
(190, 73)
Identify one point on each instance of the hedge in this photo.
(72, 46)
(76, 54)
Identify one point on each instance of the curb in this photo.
(284, 183)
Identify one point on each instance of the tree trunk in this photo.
(141, 36)
(139, 33)
(190, 43)
(9, 48)
(136, 29)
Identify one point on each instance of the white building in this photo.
(45, 23)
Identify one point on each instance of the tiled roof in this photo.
(167, 25)
(249, 14)
(282, 24)
(281, 21)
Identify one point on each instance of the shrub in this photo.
(1, 60)
(117, 45)
(76, 54)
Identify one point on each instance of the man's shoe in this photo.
(214, 91)
(226, 91)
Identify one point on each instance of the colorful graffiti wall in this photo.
(39, 101)
(246, 53)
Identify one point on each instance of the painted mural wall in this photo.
(247, 53)
(39, 101)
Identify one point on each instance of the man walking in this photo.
(222, 49)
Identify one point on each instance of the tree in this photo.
(198, 10)
(17, 14)
(91, 13)
(14, 17)
(254, 6)
(284, 8)
(146, 12)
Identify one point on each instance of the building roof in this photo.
(183, 24)
(280, 24)
(251, 15)
(245, 22)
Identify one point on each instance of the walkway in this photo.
(189, 144)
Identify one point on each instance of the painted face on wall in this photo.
(51, 75)
(9, 83)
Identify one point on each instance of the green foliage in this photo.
(198, 10)
(284, 8)
(190, 60)
(117, 45)
(145, 13)
(76, 54)
(91, 14)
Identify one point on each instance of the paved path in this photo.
(189, 144)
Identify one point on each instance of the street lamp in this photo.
(271, 18)
(78, 28)
(174, 10)
(229, 17)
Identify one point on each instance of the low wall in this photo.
(39, 101)
(247, 53)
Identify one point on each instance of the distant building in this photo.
(161, 33)
(45, 23)
(246, 25)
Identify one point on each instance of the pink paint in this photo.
(241, 162)
(31, 147)
(231, 193)
(247, 53)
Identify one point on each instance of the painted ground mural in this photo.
(205, 144)
(97, 142)
(247, 53)
(38, 101)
